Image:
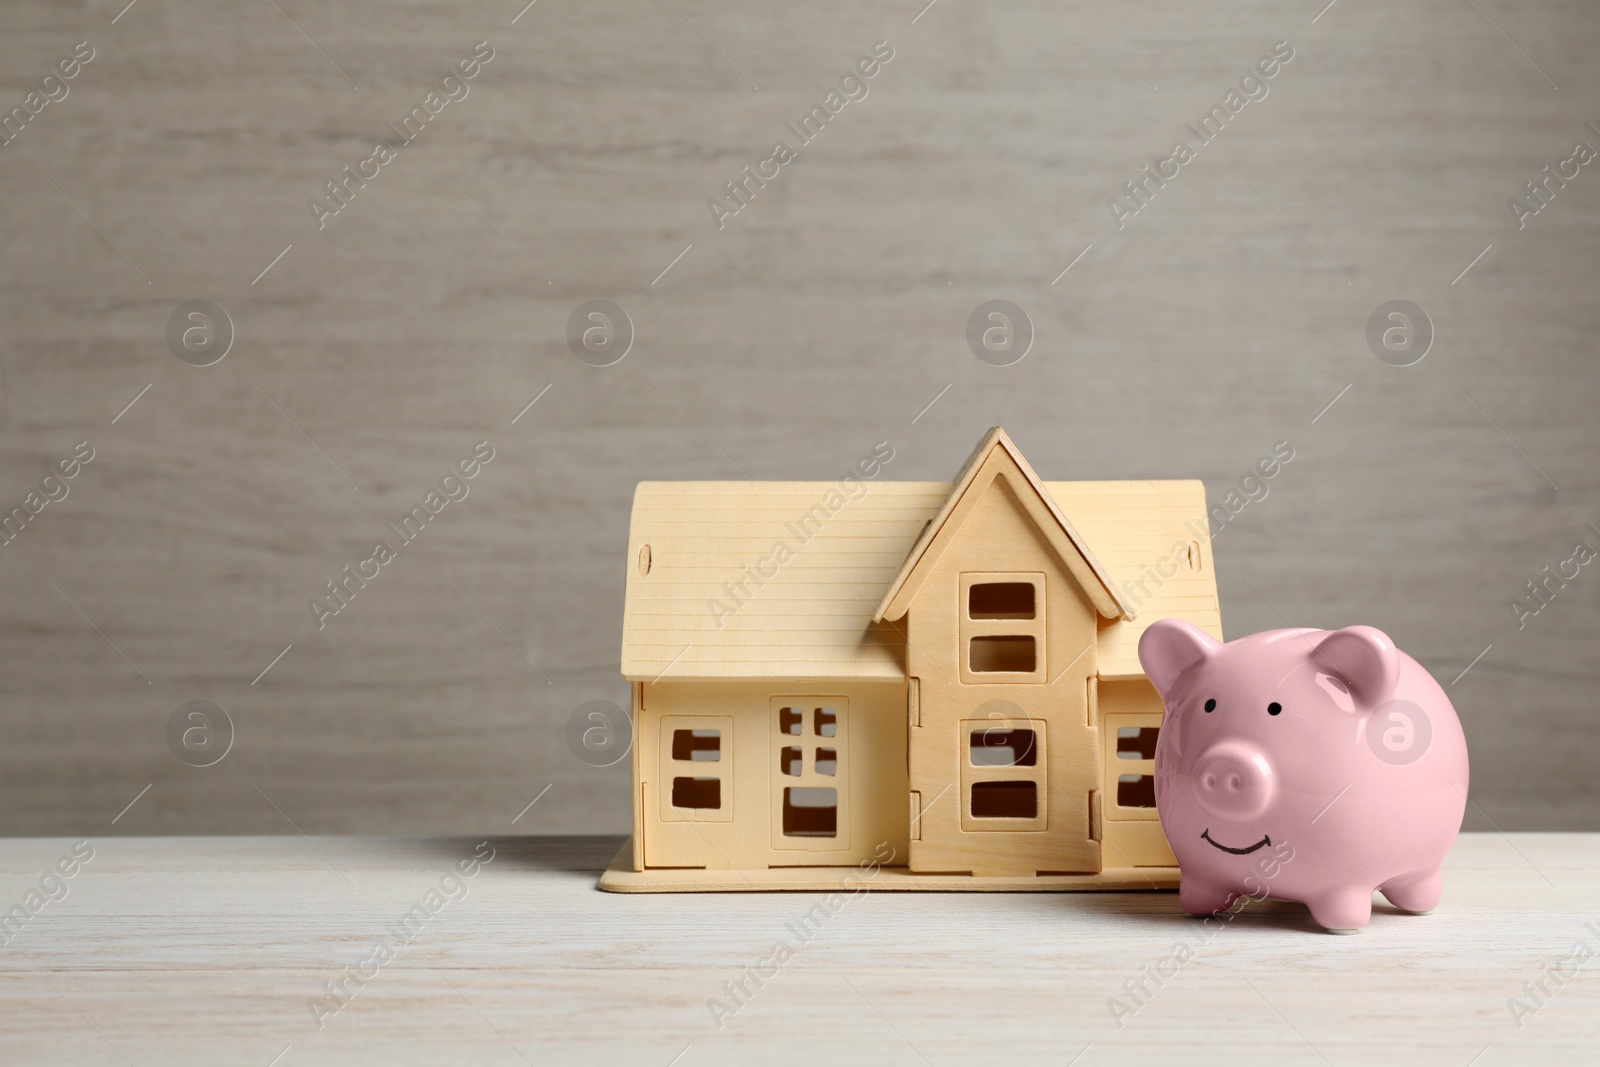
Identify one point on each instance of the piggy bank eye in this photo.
(1274, 708)
(1211, 705)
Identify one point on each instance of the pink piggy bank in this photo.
(1304, 765)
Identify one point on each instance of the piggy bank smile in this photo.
(1333, 740)
(1205, 835)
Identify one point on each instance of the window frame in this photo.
(1037, 773)
(1116, 766)
(720, 768)
(1034, 628)
(809, 741)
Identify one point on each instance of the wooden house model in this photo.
(937, 682)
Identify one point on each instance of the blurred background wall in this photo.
(1223, 310)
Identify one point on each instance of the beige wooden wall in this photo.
(827, 315)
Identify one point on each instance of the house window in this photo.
(1005, 800)
(1130, 765)
(791, 720)
(810, 798)
(1137, 742)
(1002, 628)
(1004, 748)
(697, 793)
(695, 782)
(697, 745)
(826, 721)
(1002, 654)
(1000, 600)
(1003, 777)
(1136, 791)
(809, 811)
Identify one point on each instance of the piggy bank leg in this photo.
(1198, 897)
(1416, 893)
(1344, 910)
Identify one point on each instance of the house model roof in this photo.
(997, 454)
(784, 579)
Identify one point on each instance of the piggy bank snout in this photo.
(1234, 780)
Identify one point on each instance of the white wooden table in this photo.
(173, 951)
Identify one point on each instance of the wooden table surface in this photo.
(200, 950)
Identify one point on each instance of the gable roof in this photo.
(813, 618)
(997, 454)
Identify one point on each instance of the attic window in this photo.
(1000, 600)
(700, 746)
(789, 720)
(1004, 654)
(1002, 627)
(792, 761)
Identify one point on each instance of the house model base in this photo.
(620, 877)
(909, 685)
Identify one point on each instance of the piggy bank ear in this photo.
(1168, 647)
(1365, 658)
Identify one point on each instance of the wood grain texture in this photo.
(828, 314)
(814, 616)
(207, 950)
